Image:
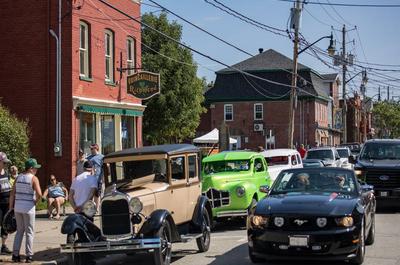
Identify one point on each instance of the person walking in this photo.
(79, 162)
(24, 196)
(5, 190)
(96, 158)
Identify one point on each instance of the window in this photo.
(293, 159)
(228, 112)
(109, 55)
(192, 166)
(258, 111)
(87, 131)
(258, 165)
(130, 54)
(84, 70)
(107, 134)
(128, 128)
(178, 168)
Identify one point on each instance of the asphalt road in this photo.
(229, 246)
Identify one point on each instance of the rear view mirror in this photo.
(264, 188)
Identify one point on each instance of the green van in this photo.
(233, 181)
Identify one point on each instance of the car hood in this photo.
(324, 204)
(386, 163)
(224, 180)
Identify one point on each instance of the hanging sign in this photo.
(143, 85)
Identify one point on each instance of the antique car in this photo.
(233, 182)
(152, 199)
(280, 159)
(313, 213)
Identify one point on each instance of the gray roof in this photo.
(168, 149)
(268, 60)
(330, 77)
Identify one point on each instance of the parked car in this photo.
(355, 147)
(313, 213)
(280, 159)
(152, 199)
(313, 163)
(328, 155)
(345, 153)
(379, 164)
(232, 181)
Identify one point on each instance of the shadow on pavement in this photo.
(48, 254)
(229, 225)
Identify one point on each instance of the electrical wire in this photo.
(343, 4)
(338, 14)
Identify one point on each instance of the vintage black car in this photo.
(313, 213)
(152, 200)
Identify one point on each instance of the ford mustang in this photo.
(313, 213)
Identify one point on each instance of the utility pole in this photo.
(344, 69)
(296, 13)
(388, 93)
(379, 93)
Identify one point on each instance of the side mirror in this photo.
(264, 188)
(352, 159)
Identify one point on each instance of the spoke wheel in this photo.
(162, 256)
(203, 242)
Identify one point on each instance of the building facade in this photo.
(92, 105)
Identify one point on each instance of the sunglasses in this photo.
(52, 179)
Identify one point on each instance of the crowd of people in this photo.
(20, 193)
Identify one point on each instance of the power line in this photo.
(316, 19)
(337, 13)
(342, 4)
(329, 15)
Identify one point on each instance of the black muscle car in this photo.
(313, 213)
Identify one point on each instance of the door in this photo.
(178, 191)
(260, 175)
(194, 183)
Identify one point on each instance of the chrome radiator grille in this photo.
(217, 198)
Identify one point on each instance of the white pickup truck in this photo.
(280, 159)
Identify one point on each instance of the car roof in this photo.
(321, 148)
(169, 149)
(231, 155)
(321, 169)
(279, 152)
(383, 141)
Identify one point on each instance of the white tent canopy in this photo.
(212, 138)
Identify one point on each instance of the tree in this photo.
(14, 140)
(387, 119)
(174, 115)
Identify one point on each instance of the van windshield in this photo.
(381, 151)
(226, 166)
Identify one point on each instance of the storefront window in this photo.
(128, 132)
(87, 131)
(107, 134)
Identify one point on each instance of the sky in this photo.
(375, 41)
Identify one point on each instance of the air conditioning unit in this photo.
(258, 127)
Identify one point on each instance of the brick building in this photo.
(257, 111)
(95, 106)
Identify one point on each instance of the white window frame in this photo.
(109, 71)
(130, 58)
(225, 112)
(84, 50)
(255, 112)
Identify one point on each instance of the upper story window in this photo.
(84, 68)
(228, 112)
(109, 55)
(258, 111)
(130, 54)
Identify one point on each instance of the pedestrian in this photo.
(97, 161)
(56, 194)
(79, 162)
(24, 196)
(302, 151)
(260, 148)
(5, 191)
(83, 187)
(13, 175)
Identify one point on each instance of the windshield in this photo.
(277, 160)
(226, 166)
(319, 154)
(381, 151)
(315, 181)
(343, 153)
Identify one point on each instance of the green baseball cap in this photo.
(32, 163)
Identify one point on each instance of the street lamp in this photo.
(331, 49)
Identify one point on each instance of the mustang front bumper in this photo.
(112, 246)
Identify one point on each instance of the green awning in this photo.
(107, 110)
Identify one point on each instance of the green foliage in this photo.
(14, 140)
(173, 115)
(387, 119)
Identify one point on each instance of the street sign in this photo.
(143, 85)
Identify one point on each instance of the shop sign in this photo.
(143, 85)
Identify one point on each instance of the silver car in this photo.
(328, 155)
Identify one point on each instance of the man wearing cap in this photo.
(5, 190)
(24, 196)
(97, 160)
(83, 187)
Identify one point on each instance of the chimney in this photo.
(260, 50)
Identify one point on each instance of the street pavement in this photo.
(228, 246)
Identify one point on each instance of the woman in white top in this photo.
(24, 196)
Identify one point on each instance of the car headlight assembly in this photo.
(279, 221)
(346, 221)
(321, 222)
(135, 205)
(89, 208)
(358, 172)
(240, 191)
(258, 220)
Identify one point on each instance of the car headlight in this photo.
(279, 221)
(89, 208)
(135, 205)
(240, 191)
(321, 222)
(258, 220)
(346, 221)
(358, 172)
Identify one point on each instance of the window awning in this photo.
(107, 110)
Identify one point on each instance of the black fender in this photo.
(202, 205)
(77, 223)
(154, 222)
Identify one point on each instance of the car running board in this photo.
(189, 237)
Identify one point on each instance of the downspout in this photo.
(57, 80)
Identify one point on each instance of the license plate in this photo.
(298, 241)
(383, 193)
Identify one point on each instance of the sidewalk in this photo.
(46, 244)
